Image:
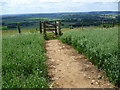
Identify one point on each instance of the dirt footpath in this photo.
(68, 69)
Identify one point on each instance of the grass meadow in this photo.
(23, 61)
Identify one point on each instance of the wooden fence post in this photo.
(19, 30)
(40, 27)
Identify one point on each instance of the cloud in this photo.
(77, 0)
(50, 6)
(95, 1)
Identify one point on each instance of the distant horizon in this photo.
(60, 12)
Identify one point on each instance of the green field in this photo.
(23, 61)
(100, 45)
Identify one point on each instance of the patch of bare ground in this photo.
(69, 69)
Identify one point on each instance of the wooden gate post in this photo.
(40, 27)
(44, 23)
(59, 28)
(56, 28)
(19, 30)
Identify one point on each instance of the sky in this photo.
(55, 6)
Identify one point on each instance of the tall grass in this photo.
(23, 61)
(13, 32)
(100, 46)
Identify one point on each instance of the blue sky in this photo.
(53, 6)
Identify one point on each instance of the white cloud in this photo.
(78, 0)
(50, 0)
(95, 0)
(49, 6)
(28, 1)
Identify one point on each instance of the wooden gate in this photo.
(50, 26)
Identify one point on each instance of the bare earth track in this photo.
(69, 69)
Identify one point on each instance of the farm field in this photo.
(23, 61)
(76, 19)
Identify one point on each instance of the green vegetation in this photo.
(76, 19)
(100, 46)
(23, 61)
(23, 54)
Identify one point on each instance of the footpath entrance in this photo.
(53, 26)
